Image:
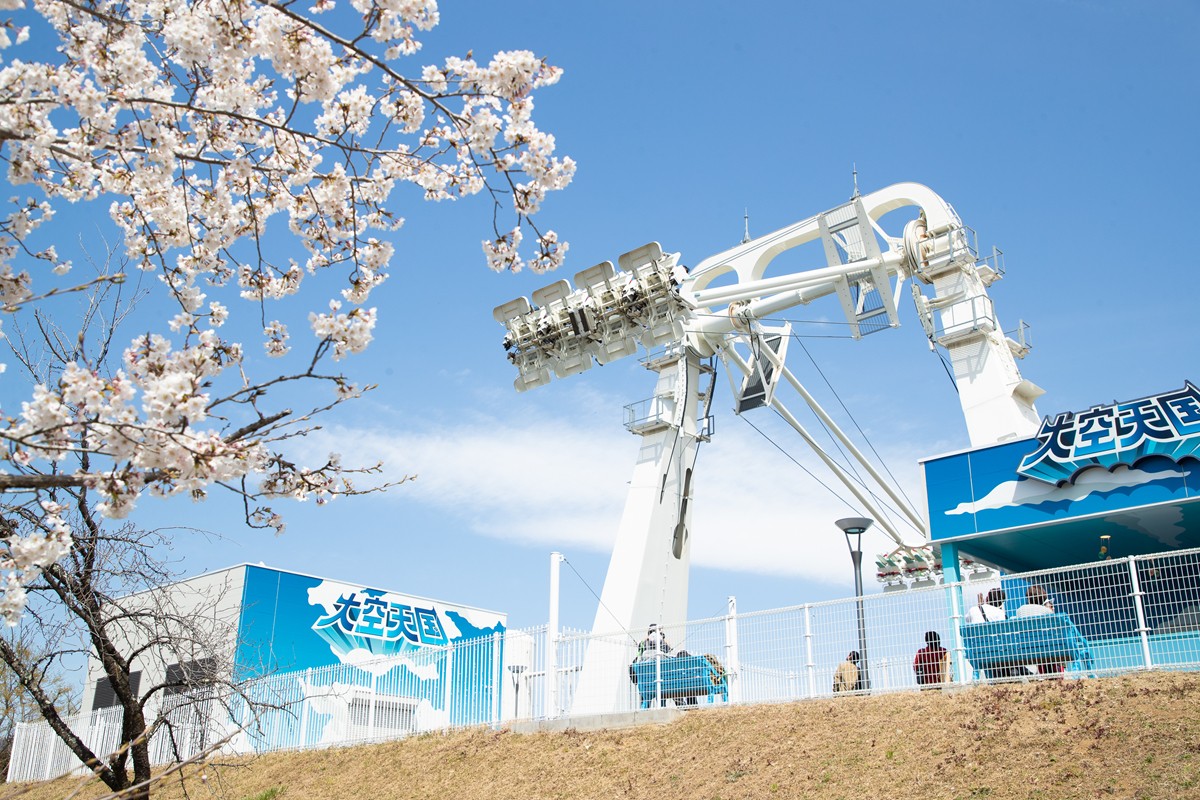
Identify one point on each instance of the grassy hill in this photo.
(1134, 736)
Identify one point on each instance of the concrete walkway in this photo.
(596, 722)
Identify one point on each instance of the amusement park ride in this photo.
(686, 319)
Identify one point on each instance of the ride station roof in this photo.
(1123, 477)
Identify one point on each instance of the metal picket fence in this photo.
(1102, 618)
(193, 724)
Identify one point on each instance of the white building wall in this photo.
(212, 601)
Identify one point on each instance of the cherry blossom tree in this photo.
(241, 148)
(164, 659)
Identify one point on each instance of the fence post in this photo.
(952, 578)
(809, 664)
(733, 667)
(15, 752)
(18, 770)
(21, 761)
(47, 773)
(550, 690)
(1143, 632)
(305, 687)
(449, 661)
(497, 676)
(371, 708)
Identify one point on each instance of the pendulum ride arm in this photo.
(655, 302)
(934, 250)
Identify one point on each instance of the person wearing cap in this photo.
(654, 645)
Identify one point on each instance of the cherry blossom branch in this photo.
(114, 279)
(205, 128)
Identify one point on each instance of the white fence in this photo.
(1125, 614)
(38, 754)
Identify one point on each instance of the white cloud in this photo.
(756, 511)
(536, 477)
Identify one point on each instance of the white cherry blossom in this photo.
(208, 130)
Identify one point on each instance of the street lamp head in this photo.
(855, 524)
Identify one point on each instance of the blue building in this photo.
(1123, 477)
(351, 661)
(1087, 501)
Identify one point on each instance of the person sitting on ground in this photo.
(654, 645)
(990, 609)
(845, 678)
(932, 664)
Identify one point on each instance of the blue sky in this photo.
(1062, 131)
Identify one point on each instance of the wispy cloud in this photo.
(538, 477)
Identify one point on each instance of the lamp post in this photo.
(517, 670)
(854, 528)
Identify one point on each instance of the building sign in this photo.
(1166, 425)
(293, 622)
(380, 623)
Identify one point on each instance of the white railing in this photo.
(190, 727)
(1132, 614)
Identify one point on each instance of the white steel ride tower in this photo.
(654, 301)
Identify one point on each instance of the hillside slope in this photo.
(1134, 736)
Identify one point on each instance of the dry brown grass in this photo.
(1128, 737)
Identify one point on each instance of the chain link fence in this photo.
(1102, 618)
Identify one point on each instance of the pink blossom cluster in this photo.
(22, 558)
(200, 123)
